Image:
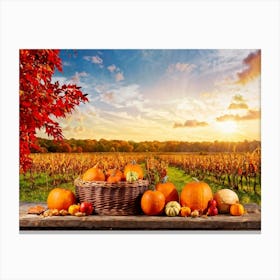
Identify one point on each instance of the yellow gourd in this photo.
(172, 208)
(131, 176)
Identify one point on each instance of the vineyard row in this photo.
(238, 171)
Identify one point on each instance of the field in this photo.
(240, 172)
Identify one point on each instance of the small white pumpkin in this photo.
(131, 176)
(172, 208)
(225, 198)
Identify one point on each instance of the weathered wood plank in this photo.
(249, 221)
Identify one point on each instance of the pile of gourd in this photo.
(196, 199)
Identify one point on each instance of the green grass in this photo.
(37, 188)
(179, 178)
(247, 196)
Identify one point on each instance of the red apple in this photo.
(86, 207)
(212, 211)
(212, 203)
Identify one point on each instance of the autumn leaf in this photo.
(40, 99)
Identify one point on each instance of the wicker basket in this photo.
(120, 198)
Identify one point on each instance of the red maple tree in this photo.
(41, 100)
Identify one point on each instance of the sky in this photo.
(148, 94)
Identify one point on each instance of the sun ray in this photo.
(227, 127)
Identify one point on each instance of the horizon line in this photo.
(150, 140)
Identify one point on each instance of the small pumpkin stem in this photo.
(164, 179)
(195, 179)
(133, 161)
(96, 165)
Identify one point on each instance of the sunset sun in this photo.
(228, 127)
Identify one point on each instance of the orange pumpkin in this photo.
(185, 211)
(59, 199)
(168, 189)
(237, 209)
(196, 195)
(114, 175)
(152, 202)
(134, 167)
(94, 174)
(114, 171)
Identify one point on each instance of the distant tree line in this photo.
(103, 145)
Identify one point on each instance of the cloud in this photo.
(108, 97)
(119, 77)
(238, 103)
(119, 115)
(74, 130)
(88, 58)
(66, 63)
(76, 78)
(238, 98)
(66, 128)
(101, 88)
(78, 129)
(60, 80)
(112, 68)
(117, 73)
(251, 115)
(94, 59)
(180, 67)
(253, 68)
(236, 106)
(126, 96)
(91, 110)
(190, 123)
(223, 62)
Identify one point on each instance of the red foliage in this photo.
(41, 100)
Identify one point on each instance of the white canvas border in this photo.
(155, 24)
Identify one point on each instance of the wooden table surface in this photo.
(249, 221)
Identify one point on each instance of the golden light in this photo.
(227, 127)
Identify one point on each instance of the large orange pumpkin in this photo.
(59, 198)
(94, 174)
(134, 167)
(152, 202)
(196, 195)
(169, 191)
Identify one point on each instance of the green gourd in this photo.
(131, 176)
